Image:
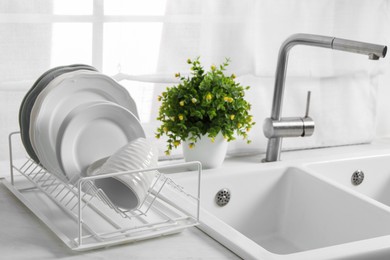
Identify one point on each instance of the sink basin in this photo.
(376, 171)
(288, 213)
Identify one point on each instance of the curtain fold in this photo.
(251, 32)
(24, 47)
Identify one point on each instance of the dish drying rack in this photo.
(84, 218)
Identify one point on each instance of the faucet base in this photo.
(274, 144)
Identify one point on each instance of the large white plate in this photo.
(63, 94)
(93, 131)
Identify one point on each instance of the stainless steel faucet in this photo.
(276, 127)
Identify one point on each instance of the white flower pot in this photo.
(210, 154)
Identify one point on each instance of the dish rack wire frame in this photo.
(80, 192)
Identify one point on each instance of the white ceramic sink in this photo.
(288, 213)
(376, 169)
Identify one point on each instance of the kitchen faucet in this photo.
(276, 127)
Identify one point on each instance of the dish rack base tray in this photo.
(56, 220)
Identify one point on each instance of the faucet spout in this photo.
(373, 51)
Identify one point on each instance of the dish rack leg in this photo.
(11, 167)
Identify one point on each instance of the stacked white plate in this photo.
(81, 117)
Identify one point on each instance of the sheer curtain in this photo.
(344, 86)
(250, 33)
(144, 43)
(25, 53)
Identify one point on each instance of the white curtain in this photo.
(156, 37)
(25, 54)
(251, 31)
(344, 86)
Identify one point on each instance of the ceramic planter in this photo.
(210, 154)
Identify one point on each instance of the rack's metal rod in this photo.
(11, 168)
(162, 214)
(80, 217)
(63, 188)
(31, 164)
(36, 174)
(73, 196)
(198, 199)
(55, 188)
(46, 187)
(23, 164)
(135, 213)
(151, 203)
(66, 194)
(149, 191)
(43, 175)
(86, 202)
(165, 167)
(36, 166)
(154, 225)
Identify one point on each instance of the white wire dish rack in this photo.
(83, 217)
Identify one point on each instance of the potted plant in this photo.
(204, 112)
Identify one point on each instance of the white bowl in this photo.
(127, 191)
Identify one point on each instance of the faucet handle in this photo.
(308, 103)
(308, 123)
(290, 126)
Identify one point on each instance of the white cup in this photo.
(127, 191)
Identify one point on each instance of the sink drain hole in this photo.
(357, 177)
(222, 197)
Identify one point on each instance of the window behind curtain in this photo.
(114, 36)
